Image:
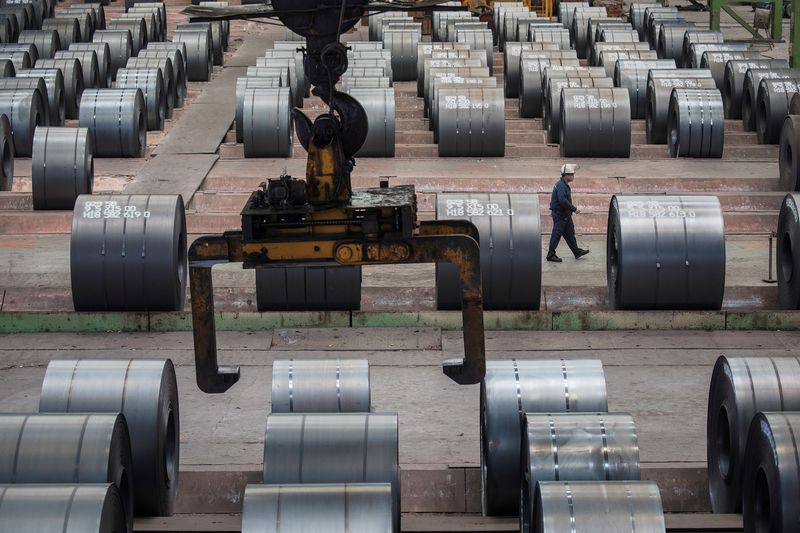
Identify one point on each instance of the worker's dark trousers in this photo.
(562, 226)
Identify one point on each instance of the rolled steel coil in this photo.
(565, 71)
(330, 507)
(320, 386)
(654, 11)
(716, 62)
(73, 82)
(281, 73)
(381, 82)
(788, 153)
(447, 55)
(788, 252)
(151, 83)
(33, 10)
(530, 82)
(225, 25)
(696, 51)
(471, 122)
(136, 28)
(604, 112)
(514, 387)
(26, 110)
(580, 22)
(403, 47)
(160, 10)
(455, 80)
(143, 390)
(173, 45)
(198, 54)
(454, 26)
(68, 448)
(660, 84)
(164, 67)
(772, 106)
(103, 54)
(524, 26)
(117, 121)
(670, 41)
(619, 506)
(379, 105)
(511, 263)
(437, 67)
(595, 26)
(752, 80)
(21, 60)
(771, 473)
(598, 48)
(10, 24)
(6, 154)
(96, 12)
(511, 13)
(375, 22)
(608, 58)
(214, 30)
(694, 36)
(308, 288)
(511, 63)
(566, 10)
(87, 20)
(665, 252)
(120, 47)
(50, 85)
(47, 42)
(636, 15)
(425, 51)
(357, 64)
(88, 508)
(89, 66)
(479, 40)
(633, 75)
(383, 55)
(559, 37)
(733, 81)
(7, 69)
(62, 167)
(33, 52)
(575, 447)
(437, 17)
(333, 448)
(400, 24)
(616, 35)
(20, 15)
(267, 127)
(68, 30)
(152, 31)
(741, 387)
(551, 115)
(250, 83)
(171, 67)
(654, 18)
(696, 123)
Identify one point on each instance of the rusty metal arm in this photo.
(449, 227)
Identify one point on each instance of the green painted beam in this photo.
(253, 321)
(72, 322)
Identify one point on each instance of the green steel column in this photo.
(794, 50)
(777, 20)
(713, 13)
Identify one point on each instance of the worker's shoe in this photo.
(554, 258)
(580, 253)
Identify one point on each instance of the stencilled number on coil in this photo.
(112, 209)
(744, 67)
(475, 208)
(463, 102)
(652, 209)
(675, 82)
(786, 86)
(590, 101)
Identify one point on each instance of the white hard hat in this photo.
(569, 168)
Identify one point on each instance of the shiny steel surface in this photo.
(6, 154)
(752, 80)
(471, 122)
(575, 447)
(788, 153)
(85, 508)
(665, 252)
(267, 127)
(446, 55)
(402, 44)
(164, 65)
(511, 63)
(116, 120)
(740, 388)
(151, 84)
(559, 37)
(89, 67)
(21, 60)
(659, 91)
(604, 112)
(173, 45)
(67, 29)
(381, 82)
(120, 47)
(308, 288)
(595, 26)
(320, 386)
(73, 82)
(696, 123)
(50, 85)
(152, 33)
(788, 252)
(171, 67)
(333, 448)
(733, 81)
(62, 167)
(530, 81)
(580, 21)
(251, 83)
(772, 106)
(454, 25)
(457, 78)
(598, 48)
(716, 62)
(636, 16)
(330, 507)
(514, 387)
(136, 28)
(46, 41)
(566, 10)
(103, 52)
(654, 18)
(453, 63)
(105, 277)
(697, 36)
(33, 53)
(696, 51)
(551, 115)
(146, 392)
(479, 40)
(198, 53)
(375, 22)
(379, 106)
(608, 58)
(214, 30)
(632, 75)
(26, 110)
(599, 507)
(425, 51)
(670, 40)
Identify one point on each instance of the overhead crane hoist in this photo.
(322, 220)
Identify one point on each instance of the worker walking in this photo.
(561, 209)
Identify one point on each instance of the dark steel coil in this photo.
(20, 14)
(214, 32)
(164, 67)
(333, 448)
(530, 82)
(619, 506)
(598, 48)
(68, 448)
(660, 84)
(151, 83)
(35, 10)
(608, 58)
(267, 126)
(453, 26)
(617, 35)
(425, 51)
(381, 82)
(50, 85)
(10, 26)
(26, 110)
(439, 18)
(604, 112)
(551, 115)
(509, 14)
(654, 21)
(529, 56)
(789, 144)
(89, 66)
(33, 52)
(136, 28)
(559, 37)
(740, 388)
(379, 104)
(73, 82)
(665, 252)
(788, 252)
(772, 106)
(376, 20)
(525, 25)
(68, 30)
(514, 387)
(88, 508)
(146, 392)
(173, 45)
(443, 65)
(471, 122)
(320, 386)
(566, 10)
(716, 61)
(198, 54)
(6, 154)
(695, 36)
(96, 12)
(160, 9)
(251, 83)
(120, 47)
(479, 40)
(103, 53)
(575, 447)
(308, 288)
(696, 51)
(580, 23)
(636, 16)
(152, 32)
(633, 75)
(403, 47)
(595, 26)
(329, 507)
(21, 60)
(224, 25)
(733, 81)
(117, 121)
(172, 67)
(670, 41)
(87, 20)
(463, 78)
(62, 167)
(511, 63)
(383, 24)
(696, 123)
(752, 80)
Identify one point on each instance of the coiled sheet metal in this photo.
(73, 82)
(716, 61)
(379, 105)
(696, 123)
(402, 43)
(788, 252)
(146, 392)
(151, 83)
(733, 81)
(171, 64)
(551, 110)
(320, 386)
(670, 41)
(89, 66)
(471, 122)
(665, 252)
(514, 387)
(50, 85)
(318, 288)
(120, 47)
(530, 79)
(575, 447)
(67, 29)
(579, 33)
(198, 53)
(632, 75)
(511, 63)
(606, 113)
(46, 42)
(660, 84)
(789, 152)
(6, 154)
(163, 65)
(752, 80)
(62, 167)
(116, 119)
(772, 106)
(136, 28)
(697, 36)
(104, 70)
(267, 129)
(425, 51)
(26, 110)
(608, 58)
(333, 448)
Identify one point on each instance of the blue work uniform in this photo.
(561, 209)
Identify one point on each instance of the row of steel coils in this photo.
(103, 448)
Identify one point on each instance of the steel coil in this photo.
(447, 59)
(36, 10)
(198, 54)
(696, 51)
(530, 82)
(580, 22)
(250, 83)
(160, 9)
(479, 40)
(117, 121)
(752, 80)
(174, 45)
(136, 28)
(633, 75)
(425, 51)
(559, 37)
(741, 387)
(171, 67)
(525, 25)
(308, 288)
(21, 60)
(654, 17)
(696, 123)
(20, 15)
(733, 81)
(403, 47)
(607, 58)
(68, 448)
(164, 66)
(453, 26)
(33, 52)
(616, 34)
(716, 62)
(87, 20)
(88, 508)
(224, 25)
(73, 82)
(514, 387)
(575, 447)
(788, 152)
(670, 41)
(654, 11)
(660, 84)
(96, 12)
(62, 167)
(510, 14)
(50, 85)
(694, 36)
(604, 112)
(6, 154)
(665, 252)
(89, 66)
(214, 35)
(267, 127)
(375, 21)
(565, 71)
(511, 63)
(120, 47)
(618, 506)
(551, 115)
(152, 32)
(379, 105)
(772, 106)
(381, 82)
(567, 9)
(438, 17)
(47, 42)
(636, 15)
(26, 110)
(103, 53)
(595, 26)
(788, 252)
(334, 448)
(463, 78)
(68, 30)
(10, 24)
(431, 107)
(151, 84)
(471, 122)
(382, 23)
(320, 386)
(510, 247)
(598, 48)
(146, 392)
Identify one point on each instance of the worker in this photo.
(561, 209)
